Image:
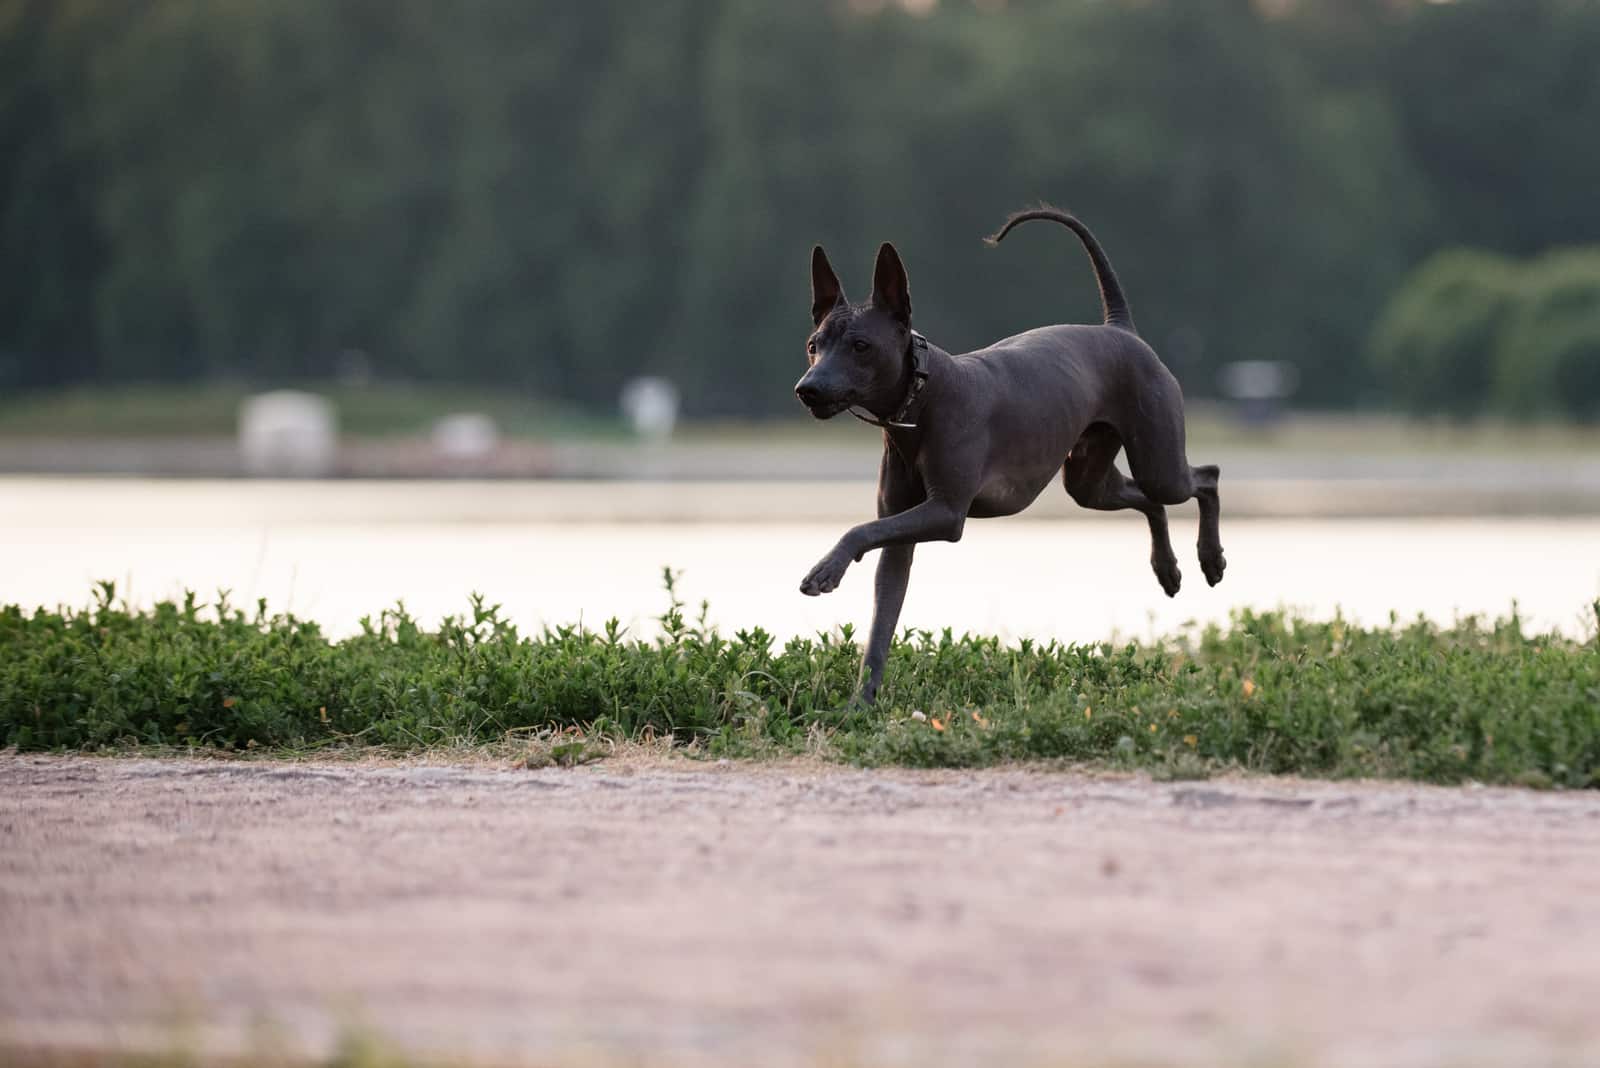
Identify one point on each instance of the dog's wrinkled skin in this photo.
(992, 428)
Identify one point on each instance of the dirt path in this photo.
(683, 914)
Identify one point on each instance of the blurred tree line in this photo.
(1471, 332)
(555, 197)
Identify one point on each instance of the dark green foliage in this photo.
(1497, 101)
(1471, 333)
(1436, 345)
(559, 196)
(1549, 360)
(1270, 693)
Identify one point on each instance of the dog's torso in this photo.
(1029, 398)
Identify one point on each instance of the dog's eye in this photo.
(860, 345)
(811, 346)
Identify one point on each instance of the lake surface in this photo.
(569, 552)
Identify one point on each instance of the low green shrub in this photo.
(1468, 333)
(1435, 346)
(1549, 359)
(1270, 692)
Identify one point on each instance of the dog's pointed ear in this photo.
(826, 292)
(890, 290)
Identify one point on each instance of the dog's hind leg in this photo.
(1160, 466)
(1212, 561)
(1171, 483)
(1093, 481)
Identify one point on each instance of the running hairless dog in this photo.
(982, 434)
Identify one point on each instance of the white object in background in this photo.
(288, 433)
(1259, 380)
(465, 436)
(1259, 388)
(651, 405)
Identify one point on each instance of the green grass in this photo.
(393, 409)
(1269, 693)
(378, 410)
(1385, 434)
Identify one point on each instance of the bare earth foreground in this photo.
(649, 911)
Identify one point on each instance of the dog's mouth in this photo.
(827, 409)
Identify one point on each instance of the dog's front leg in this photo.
(894, 575)
(932, 520)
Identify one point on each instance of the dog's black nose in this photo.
(809, 395)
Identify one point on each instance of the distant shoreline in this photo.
(1258, 482)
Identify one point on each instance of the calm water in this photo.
(567, 552)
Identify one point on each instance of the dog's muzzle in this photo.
(817, 401)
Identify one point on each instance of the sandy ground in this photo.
(645, 911)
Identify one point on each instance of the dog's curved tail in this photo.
(1111, 295)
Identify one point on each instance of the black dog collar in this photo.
(917, 352)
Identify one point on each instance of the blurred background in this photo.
(565, 246)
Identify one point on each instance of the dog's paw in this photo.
(824, 578)
(1167, 574)
(1212, 563)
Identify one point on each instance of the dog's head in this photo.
(857, 352)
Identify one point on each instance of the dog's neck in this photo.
(915, 381)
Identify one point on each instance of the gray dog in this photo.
(983, 433)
